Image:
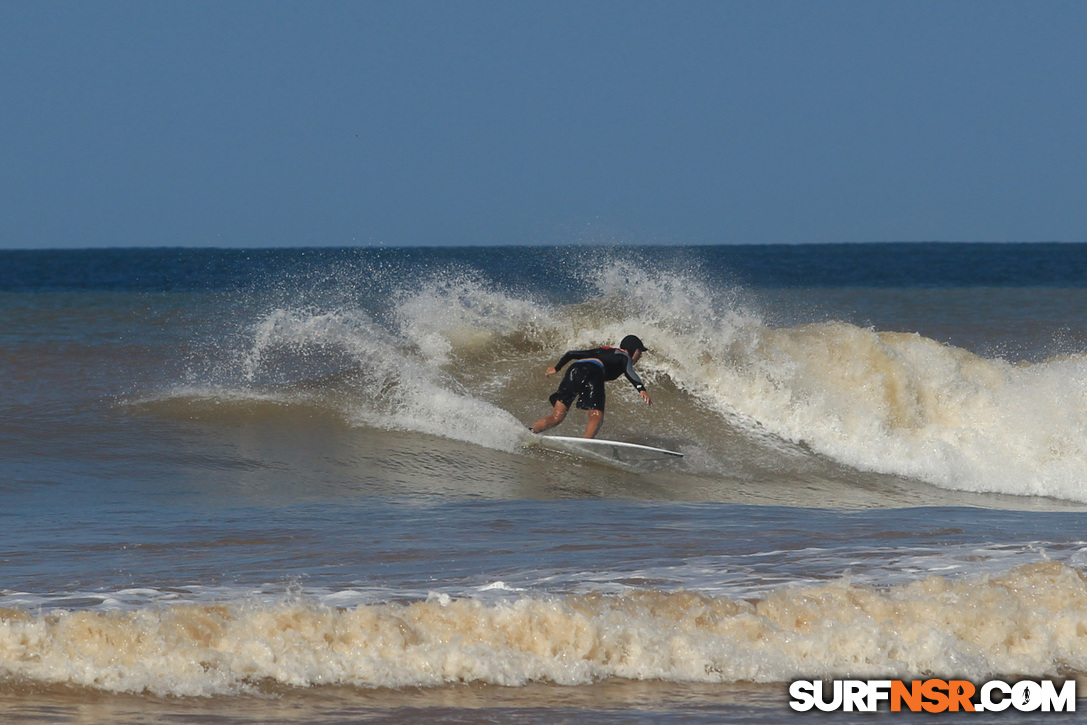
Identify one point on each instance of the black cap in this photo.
(632, 344)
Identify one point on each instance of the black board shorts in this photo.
(585, 381)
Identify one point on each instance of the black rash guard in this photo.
(614, 360)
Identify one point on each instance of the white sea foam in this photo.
(1030, 620)
(906, 405)
(392, 382)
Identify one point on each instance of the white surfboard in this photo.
(607, 450)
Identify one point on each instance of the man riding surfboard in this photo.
(585, 380)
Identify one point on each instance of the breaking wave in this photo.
(455, 355)
(1030, 619)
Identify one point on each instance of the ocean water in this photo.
(297, 486)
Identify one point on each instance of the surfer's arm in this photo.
(636, 381)
(633, 377)
(573, 355)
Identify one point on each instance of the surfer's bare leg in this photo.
(596, 419)
(556, 417)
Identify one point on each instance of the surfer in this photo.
(585, 379)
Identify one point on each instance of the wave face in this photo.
(1030, 619)
(451, 353)
(906, 405)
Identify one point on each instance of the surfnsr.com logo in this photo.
(932, 696)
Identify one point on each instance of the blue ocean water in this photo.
(298, 486)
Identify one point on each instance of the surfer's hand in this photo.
(645, 397)
(551, 371)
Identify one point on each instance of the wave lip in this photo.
(1029, 620)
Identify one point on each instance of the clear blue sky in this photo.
(435, 123)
